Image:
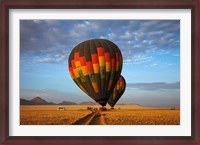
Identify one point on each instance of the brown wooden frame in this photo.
(99, 4)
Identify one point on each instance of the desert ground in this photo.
(91, 115)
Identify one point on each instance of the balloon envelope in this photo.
(117, 92)
(95, 66)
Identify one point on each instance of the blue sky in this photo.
(150, 49)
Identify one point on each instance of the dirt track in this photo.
(94, 118)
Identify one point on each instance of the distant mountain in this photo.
(39, 101)
(51, 103)
(25, 102)
(88, 103)
(67, 103)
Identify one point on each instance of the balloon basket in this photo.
(103, 109)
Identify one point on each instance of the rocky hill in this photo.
(39, 101)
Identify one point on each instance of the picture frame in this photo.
(103, 4)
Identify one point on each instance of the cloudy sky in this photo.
(150, 49)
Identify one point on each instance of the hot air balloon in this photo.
(117, 92)
(95, 66)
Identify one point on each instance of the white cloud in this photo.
(36, 21)
(138, 35)
(137, 59)
(39, 37)
(111, 36)
(126, 35)
(153, 65)
(155, 33)
(49, 58)
(155, 86)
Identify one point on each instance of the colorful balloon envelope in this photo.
(95, 66)
(117, 92)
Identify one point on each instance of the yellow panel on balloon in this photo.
(101, 61)
(84, 70)
(108, 67)
(95, 86)
(96, 68)
(76, 73)
(77, 63)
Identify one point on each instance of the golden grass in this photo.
(142, 117)
(49, 115)
(126, 115)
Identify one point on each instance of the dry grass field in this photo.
(122, 115)
(49, 115)
(143, 117)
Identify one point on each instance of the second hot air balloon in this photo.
(95, 66)
(117, 92)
